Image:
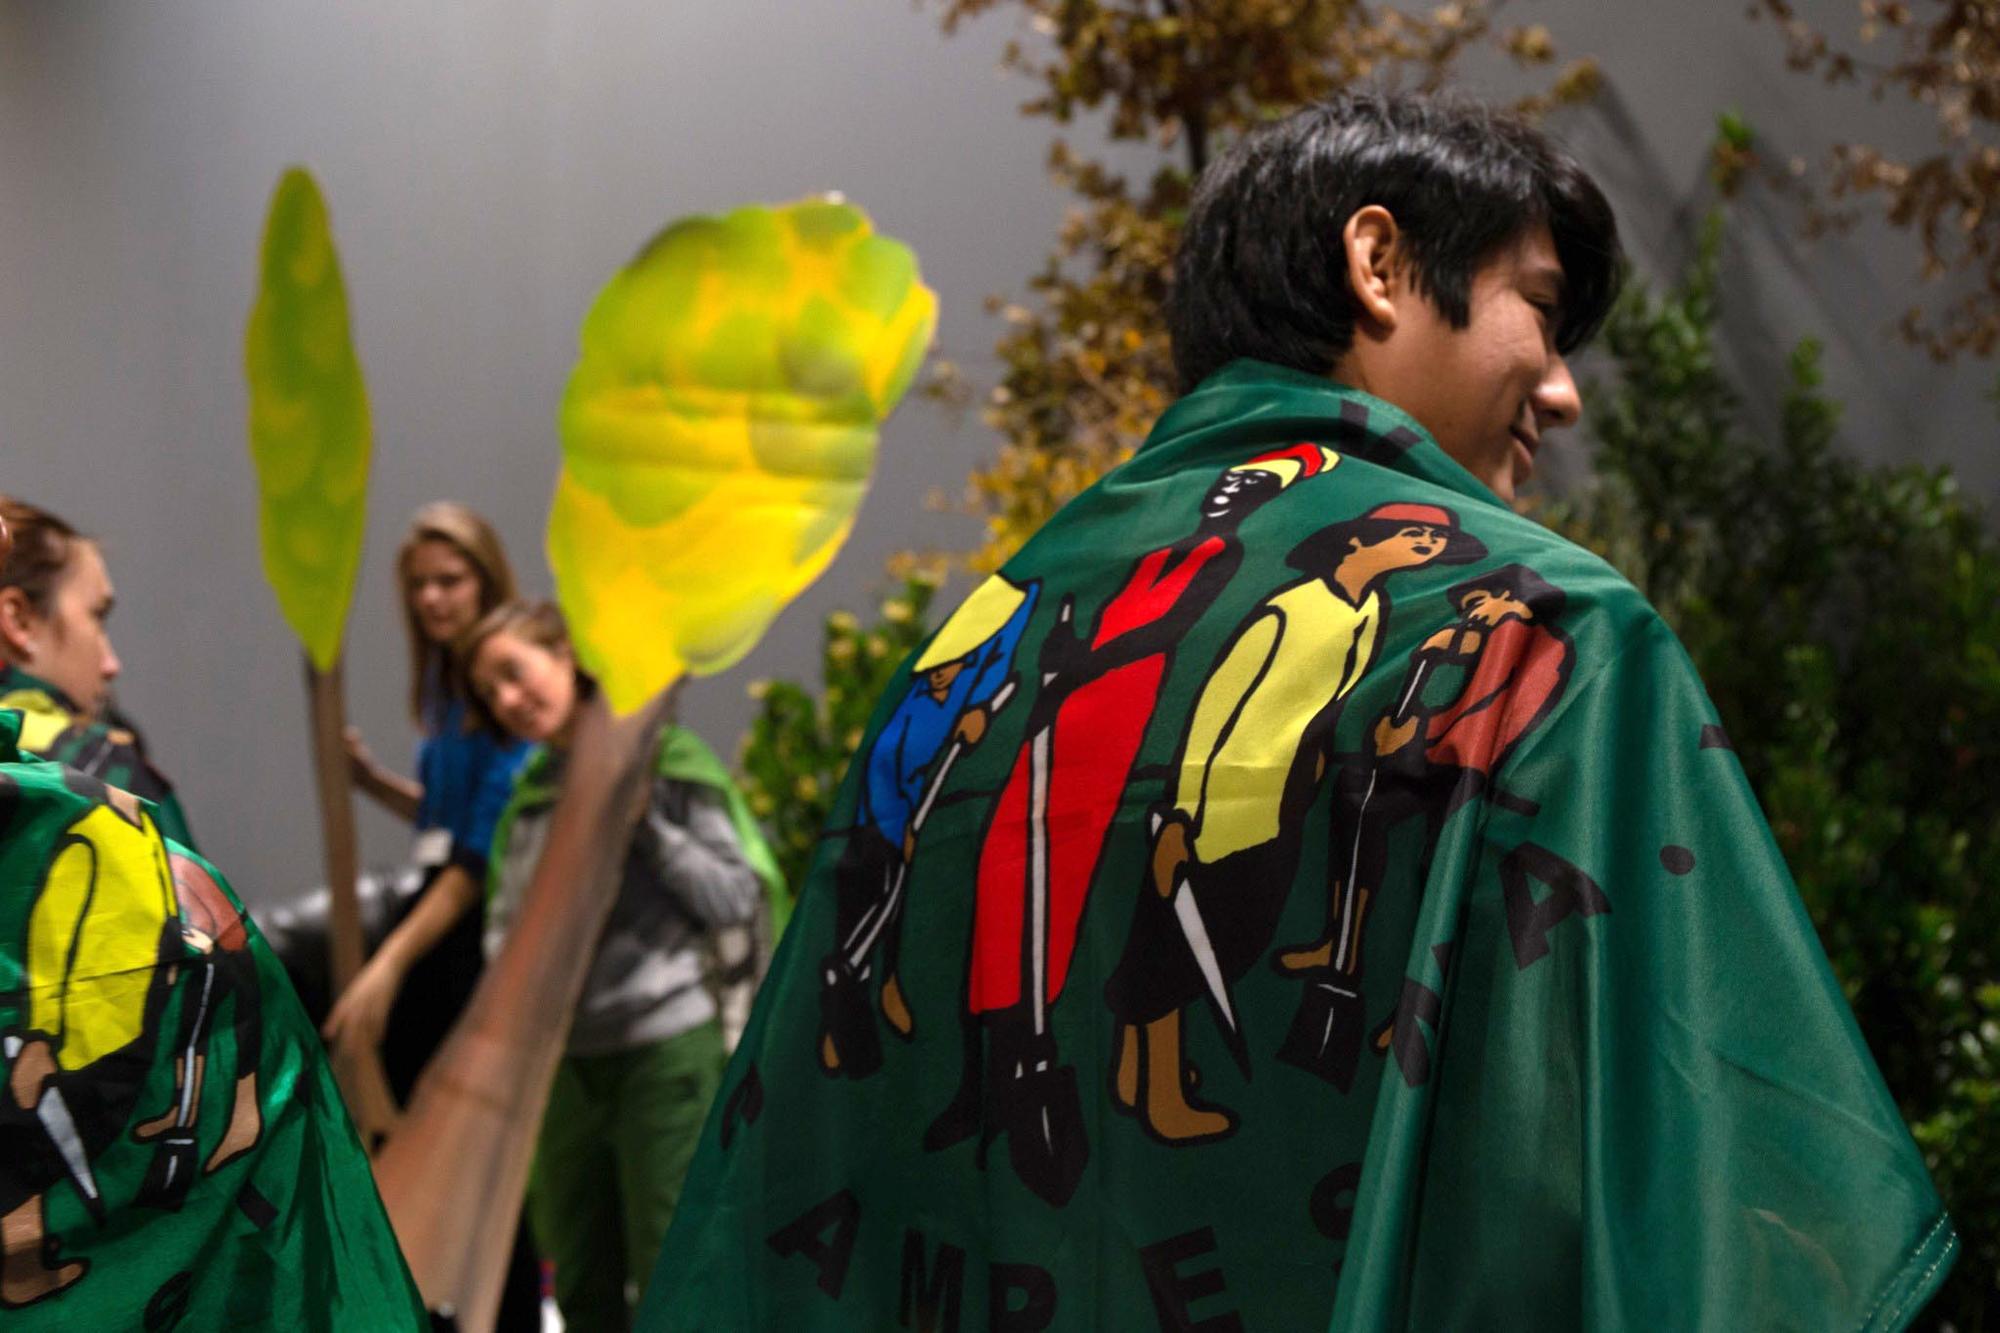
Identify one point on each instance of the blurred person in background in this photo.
(57, 663)
(645, 1050)
(450, 569)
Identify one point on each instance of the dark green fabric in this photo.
(613, 1154)
(682, 756)
(111, 750)
(249, 1206)
(1588, 1069)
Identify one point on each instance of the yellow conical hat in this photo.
(978, 618)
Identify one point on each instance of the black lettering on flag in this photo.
(260, 1210)
(829, 1253)
(746, 1103)
(1571, 893)
(1174, 1293)
(933, 1295)
(1333, 1200)
(1419, 1005)
(170, 1303)
(1037, 1309)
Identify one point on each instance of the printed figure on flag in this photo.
(1251, 762)
(1048, 827)
(173, 1151)
(958, 682)
(1512, 664)
(117, 925)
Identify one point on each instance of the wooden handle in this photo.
(345, 946)
(362, 1081)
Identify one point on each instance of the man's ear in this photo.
(1374, 249)
(18, 620)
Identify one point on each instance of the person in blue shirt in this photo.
(451, 570)
(960, 679)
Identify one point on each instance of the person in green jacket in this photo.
(645, 1048)
(1620, 1088)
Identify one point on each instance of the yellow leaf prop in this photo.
(719, 430)
(310, 440)
(309, 430)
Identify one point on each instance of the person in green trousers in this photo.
(645, 1051)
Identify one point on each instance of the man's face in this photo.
(1489, 391)
(71, 649)
(1490, 608)
(1238, 492)
(939, 679)
(1409, 547)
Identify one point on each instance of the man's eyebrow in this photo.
(1552, 274)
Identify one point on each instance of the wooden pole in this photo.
(362, 1081)
(454, 1174)
(345, 945)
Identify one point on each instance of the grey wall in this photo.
(489, 164)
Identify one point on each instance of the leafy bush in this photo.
(799, 743)
(1846, 618)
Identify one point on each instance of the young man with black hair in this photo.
(1626, 1091)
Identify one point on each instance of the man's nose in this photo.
(112, 666)
(1556, 400)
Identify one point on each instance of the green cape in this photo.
(52, 728)
(249, 1205)
(1410, 950)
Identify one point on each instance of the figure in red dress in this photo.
(1054, 815)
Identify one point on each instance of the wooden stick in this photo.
(360, 1075)
(345, 946)
(454, 1174)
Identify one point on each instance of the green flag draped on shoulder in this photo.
(1299, 893)
(173, 1153)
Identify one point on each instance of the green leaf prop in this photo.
(719, 431)
(309, 429)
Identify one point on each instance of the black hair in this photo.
(1524, 585)
(1262, 266)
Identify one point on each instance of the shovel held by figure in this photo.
(310, 439)
(848, 1015)
(1187, 913)
(1326, 1033)
(1045, 1140)
(52, 1110)
(718, 434)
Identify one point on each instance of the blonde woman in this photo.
(450, 570)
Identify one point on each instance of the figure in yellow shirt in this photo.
(116, 921)
(1256, 749)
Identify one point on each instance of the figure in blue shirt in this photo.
(958, 682)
